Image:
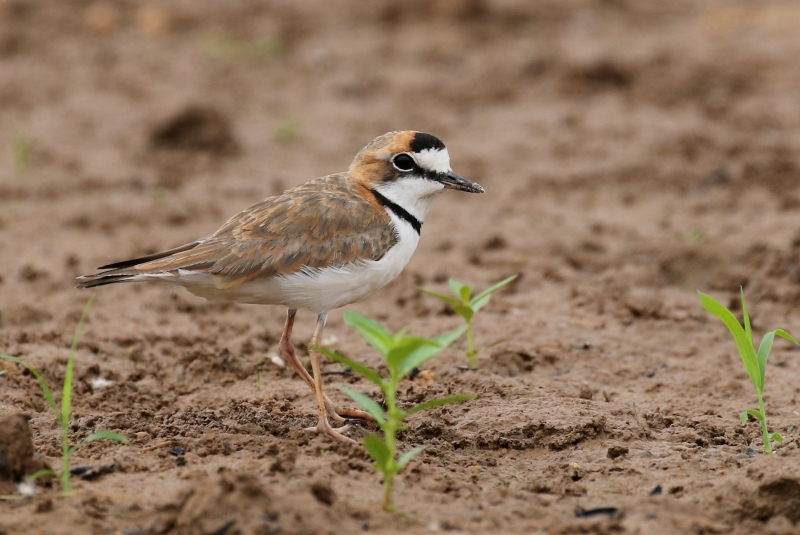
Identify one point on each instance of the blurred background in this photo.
(127, 120)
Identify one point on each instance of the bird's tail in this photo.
(128, 270)
(101, 279)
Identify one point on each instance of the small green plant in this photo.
(402, 354)
(64, 412)
(467, 306)
(288, 131)
(21, 150)
(228, 46)
(755, 362)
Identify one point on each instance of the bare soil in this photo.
(633, 151)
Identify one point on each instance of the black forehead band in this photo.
(426, 141)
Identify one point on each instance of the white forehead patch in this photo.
(437, 160)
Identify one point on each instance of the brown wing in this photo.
(326, 222)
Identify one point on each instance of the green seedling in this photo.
(755, 362)
(64, 412)
(288, 131)
(402, 354)
(467, 306)
(227, 46)
(21, 150)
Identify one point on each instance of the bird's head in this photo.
(410, 168)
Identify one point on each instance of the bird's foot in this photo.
(323, 427)
(353, 413)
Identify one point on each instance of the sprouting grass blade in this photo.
(368, 373)
(372, 331)
(439, 296)
(777, 437)
(432, 403)
(493, 288)
(755, 414)
(747, 328)
(479, 302)
(743, 343)
(366, 403)
(407, 456)
(106, 435)
(408, 348)
(40, 473)
(763, 355)
(378, 451)
(48, 394)
(743, 417)
(66, 398)
(455, 286)
(424, 353)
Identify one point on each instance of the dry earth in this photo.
(633, 151)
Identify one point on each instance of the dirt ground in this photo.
(633, 152)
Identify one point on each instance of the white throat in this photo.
(414, 194)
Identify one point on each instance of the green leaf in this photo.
(465, 311)
(765, 348)
(372, 331)
(756, 414)
(430, 404)
(364, 371)
(407, 456)
(408, 347)
(366, 402)
(784, 334)
(423, 354)
(743, 417)
(441, 297)
(743, 343)
(777, 437)
(487, 346)
(763, 355)
(747, 329)
(455, 286)
(379, 451)
(40, 473)
(106, 435)
(478, 304)
(66, 396)
(466, 293)
(492, 289)
(48, 394)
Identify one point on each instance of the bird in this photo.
(317, 247)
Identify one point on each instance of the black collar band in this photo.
(399, 211)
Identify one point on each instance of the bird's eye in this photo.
(403, 162)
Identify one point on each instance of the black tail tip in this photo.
(93, 281)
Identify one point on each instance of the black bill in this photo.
(453, 181)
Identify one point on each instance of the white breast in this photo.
(319, 290)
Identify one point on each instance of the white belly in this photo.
(316, 290)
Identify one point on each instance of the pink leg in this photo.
(287, 352)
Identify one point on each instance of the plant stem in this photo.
(66, 488)
(473, 357)
(390, 430)
(764, 429)
(66, 399)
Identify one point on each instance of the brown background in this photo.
(633, 151)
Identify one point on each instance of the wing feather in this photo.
(327, 222)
